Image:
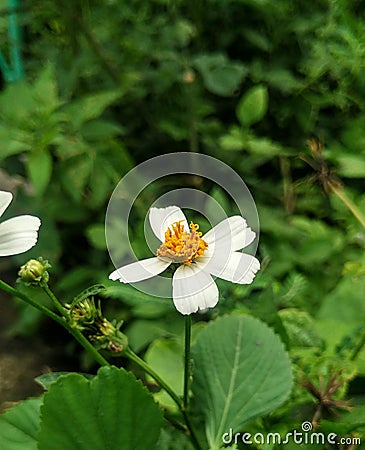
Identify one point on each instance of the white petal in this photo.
(139, 270)
(19, 234)
(193, 289)
(5, 199)
(162, 218)
(239, 268)
(231, 234)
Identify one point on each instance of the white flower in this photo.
(200, 257)
(18, 234)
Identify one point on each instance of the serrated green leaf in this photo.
(300, 328)
(88, 292)
(39, 167)
(44, 89)
(100, 414)
(90, 107)
(253, 105)
(19, 426)
(47, 379)
(241, 371)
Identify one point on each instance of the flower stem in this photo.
(128, 353)
(54, 299)
(60, 320)
(12, 291)
(340, 193)
(187, 365)
(81, 339)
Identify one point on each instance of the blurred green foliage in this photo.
(111, 84)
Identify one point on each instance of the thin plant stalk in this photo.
(60, 320)
(340, 193)
(146, 368)
(14, 292)
(187, 365)
(81, 339)
(54, 299)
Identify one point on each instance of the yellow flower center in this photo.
(182, 246)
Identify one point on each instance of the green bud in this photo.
(84, 314)
(34, 271)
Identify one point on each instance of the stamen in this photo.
(181, 246)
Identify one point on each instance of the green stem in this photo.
(340, 193)
(60, 320)
(187, 364)
(128, 353)
(12, 291)
(54, 299)
(81, 339)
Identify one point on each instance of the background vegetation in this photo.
(110, 84)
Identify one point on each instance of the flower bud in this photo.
(34, 271)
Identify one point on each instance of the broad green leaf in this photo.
(9, 144)
(90, 107)
(241, 371)
(75, 174)
(351, 166)
(45, 89)
(47, 379)
(39, 167)
(100, 130)
(165, 356)
(346, 302)
(112, 411)
(144, 306)
(170, 440)
(234, 140)
(221, 76)
(13, 111)
(253, 105)
(19, 426)
(96, 235)
(142, 332)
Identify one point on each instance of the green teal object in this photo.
(13, 71)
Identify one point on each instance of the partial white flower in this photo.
(216, 253)
(18, 234)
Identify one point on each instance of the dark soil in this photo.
(22, 358)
